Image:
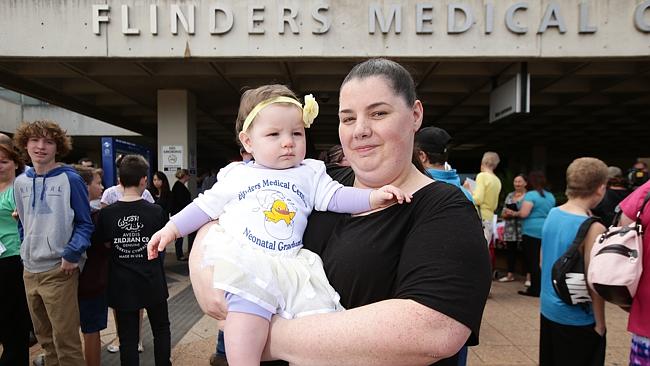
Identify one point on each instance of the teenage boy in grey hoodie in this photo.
(55, 228)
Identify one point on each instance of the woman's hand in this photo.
(161, 238)
(211, 300)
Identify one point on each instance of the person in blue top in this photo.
(572, 334)
(536, 206)
(432, 150)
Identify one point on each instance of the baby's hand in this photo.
(160, 239)
(387, 195)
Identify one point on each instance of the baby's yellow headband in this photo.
(309, 110)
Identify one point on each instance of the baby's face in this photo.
(276, 138)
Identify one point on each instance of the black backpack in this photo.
(568, 274)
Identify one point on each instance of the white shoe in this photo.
(140, 348)
(527, 283)
(39, 360)
(114, 347)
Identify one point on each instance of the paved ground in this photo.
(509, 333)
(510, 330)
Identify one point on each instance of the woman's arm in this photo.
(390, 332)
(211, 300)
(597, 302)
(418, 334)
(525, 209)
(440, 289)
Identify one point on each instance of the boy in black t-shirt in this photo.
(134, 282)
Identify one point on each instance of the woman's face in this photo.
(519, 184)
(376, 128)
(157, 182)
(7, 167)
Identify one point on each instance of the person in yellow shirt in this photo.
(486, 191)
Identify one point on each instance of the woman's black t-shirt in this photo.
(431, 251)
(134, 282)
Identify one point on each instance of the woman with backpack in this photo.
(572, 334)
(639, 321)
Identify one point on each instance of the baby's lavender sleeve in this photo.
(350, 200)
(190, 219)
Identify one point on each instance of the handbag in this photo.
(568, 273)
(616, 261)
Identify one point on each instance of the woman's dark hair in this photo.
(415, 159)
(333, 155)
(398, 77)
(537, 181)
(164, 190)
(13, 155)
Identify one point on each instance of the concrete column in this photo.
(177, 126)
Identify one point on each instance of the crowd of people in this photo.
(375, 254)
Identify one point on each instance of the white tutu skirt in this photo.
(290, 286)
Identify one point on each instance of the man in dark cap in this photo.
(432, 148)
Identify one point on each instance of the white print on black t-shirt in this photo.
(130, 244)
(130, 223)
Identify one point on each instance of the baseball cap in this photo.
(432, 140)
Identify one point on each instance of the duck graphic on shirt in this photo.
(279, 212)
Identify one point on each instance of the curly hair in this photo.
(40, 129)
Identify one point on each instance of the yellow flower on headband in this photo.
(309, 110)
